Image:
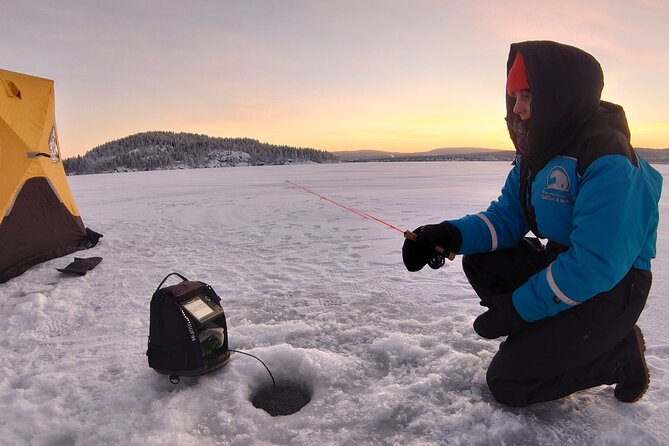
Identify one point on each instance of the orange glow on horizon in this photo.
(405, 140)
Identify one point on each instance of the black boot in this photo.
(635, 375)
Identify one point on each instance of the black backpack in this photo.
(188, 334)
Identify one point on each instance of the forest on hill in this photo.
(168, 150)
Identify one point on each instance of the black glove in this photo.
(81, 265)
(500, 320)
(421, 251)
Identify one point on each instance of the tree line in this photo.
(170, 150)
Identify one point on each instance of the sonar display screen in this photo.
(198, 308)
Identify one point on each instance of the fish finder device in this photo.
(188, 333)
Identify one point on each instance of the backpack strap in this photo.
(166, 277)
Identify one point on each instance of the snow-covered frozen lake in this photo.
(321, 295)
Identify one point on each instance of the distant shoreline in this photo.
(659, 156)
(160, 150)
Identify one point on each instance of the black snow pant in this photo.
(576, 349)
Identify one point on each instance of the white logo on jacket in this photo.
(557, 186)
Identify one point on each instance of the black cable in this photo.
(267, 368)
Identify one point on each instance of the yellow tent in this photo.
(38, 217)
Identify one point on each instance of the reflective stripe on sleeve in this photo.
(558, 292)
(491, 228)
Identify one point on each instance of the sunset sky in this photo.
(334, 75)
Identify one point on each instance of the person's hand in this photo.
(500, 320)
(419, 252)
(414, 255)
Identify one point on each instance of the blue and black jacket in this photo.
(580, 185)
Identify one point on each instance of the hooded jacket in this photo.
(576, 181)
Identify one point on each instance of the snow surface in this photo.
(318, 293)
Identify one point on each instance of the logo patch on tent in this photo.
(54, 150)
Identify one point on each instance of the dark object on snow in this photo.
(282, 400)
(188, 334)
(91, 239)
(81, 266)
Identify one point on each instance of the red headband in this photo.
(517, 80)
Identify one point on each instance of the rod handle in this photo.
(411, 236)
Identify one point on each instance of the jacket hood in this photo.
(566, 85)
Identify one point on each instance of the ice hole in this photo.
(281, 399)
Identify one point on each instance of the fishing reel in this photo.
(437, 260)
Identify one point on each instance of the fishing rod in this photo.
(435, 262)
